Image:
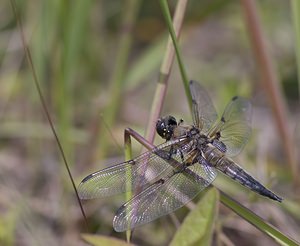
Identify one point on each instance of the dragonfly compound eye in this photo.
(171, 121)
(165, 127)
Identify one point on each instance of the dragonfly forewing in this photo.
(133, 174)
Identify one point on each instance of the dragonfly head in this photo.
(165, 127)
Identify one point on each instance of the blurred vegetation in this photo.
(76, 47)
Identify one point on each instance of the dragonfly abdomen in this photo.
(231, 169)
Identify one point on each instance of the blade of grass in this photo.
(256, 221)
(165, 70)
(128, 156)
(199, 223)
(167, 15)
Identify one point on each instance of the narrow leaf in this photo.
(197, 227)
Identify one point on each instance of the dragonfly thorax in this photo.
(165, 127)
(201, 140)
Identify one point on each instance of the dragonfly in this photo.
(171, 174)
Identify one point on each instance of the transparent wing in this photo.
(132, 175)
(164, 196)
(234, 125)
(204, 112)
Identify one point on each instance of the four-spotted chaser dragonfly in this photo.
(173, 173)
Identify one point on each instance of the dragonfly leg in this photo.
(130, 132)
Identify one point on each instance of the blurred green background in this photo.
(98, 74)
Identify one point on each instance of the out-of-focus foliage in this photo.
(74, 46)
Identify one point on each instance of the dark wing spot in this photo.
(234, 98)
(223, 119)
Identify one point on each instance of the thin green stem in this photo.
(167, 15)
(165, 71)
(128, 156)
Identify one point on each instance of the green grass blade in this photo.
(258, 222)
(199, 223)
(128, 156)
(167, 15)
